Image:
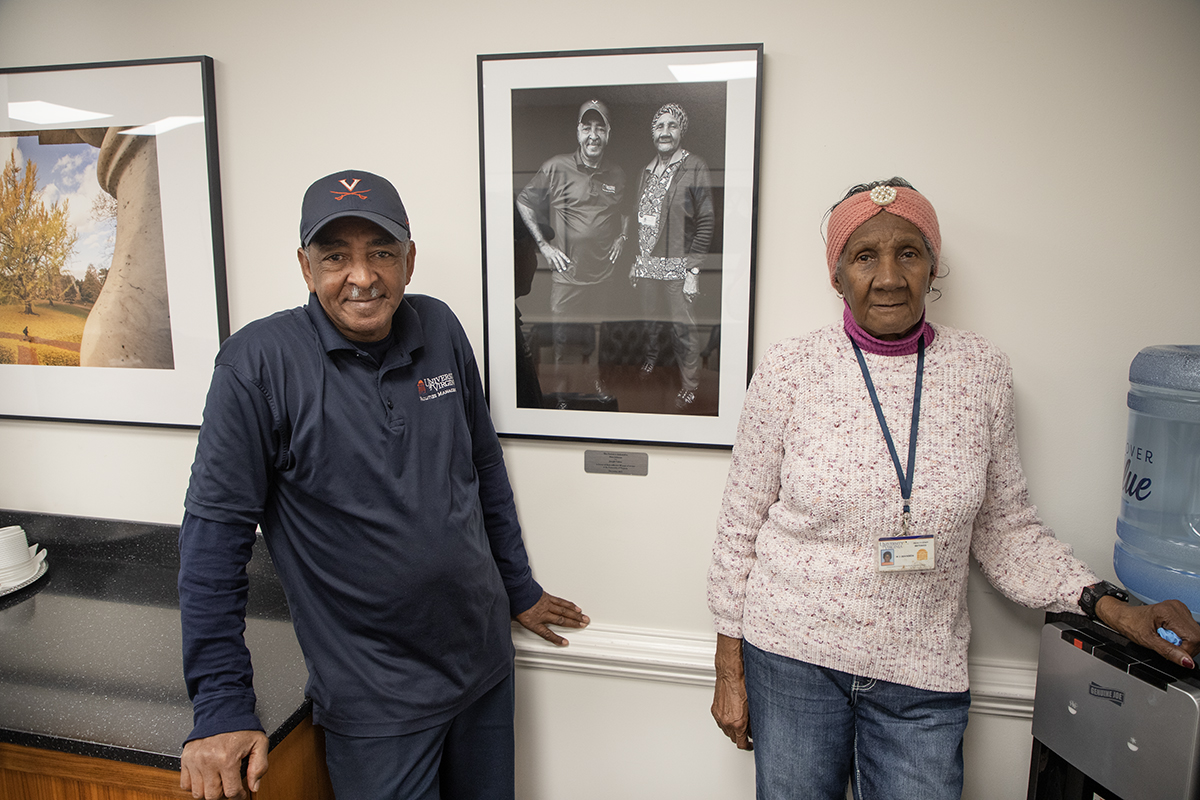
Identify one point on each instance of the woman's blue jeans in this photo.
(815, 728)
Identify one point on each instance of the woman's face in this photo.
(667, 132)
(884, 274)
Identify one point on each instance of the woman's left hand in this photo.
(1140, 624)
(691, 286)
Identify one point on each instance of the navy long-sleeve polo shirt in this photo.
(383, 498)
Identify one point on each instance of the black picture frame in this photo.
(153, 125)
(602, 358)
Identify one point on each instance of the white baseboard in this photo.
(998, 688)
(621, 652)
(1002, 688)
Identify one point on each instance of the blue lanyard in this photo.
(906, 483)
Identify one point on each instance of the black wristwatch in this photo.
(1092, 594)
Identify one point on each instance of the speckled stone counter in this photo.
(90, 654)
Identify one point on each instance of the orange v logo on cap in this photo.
(361, 195)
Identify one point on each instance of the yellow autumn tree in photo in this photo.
(35, 239)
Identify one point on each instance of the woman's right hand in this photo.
(730, 707)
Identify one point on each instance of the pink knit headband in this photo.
(852, 212)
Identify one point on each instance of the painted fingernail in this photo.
(1188, 663)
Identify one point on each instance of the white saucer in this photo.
(6, 588)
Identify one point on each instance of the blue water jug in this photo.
(1157, 555)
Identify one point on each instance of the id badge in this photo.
(649, 220)
(904, 553)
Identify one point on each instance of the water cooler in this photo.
(1113, 720)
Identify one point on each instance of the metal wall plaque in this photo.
(614, 462)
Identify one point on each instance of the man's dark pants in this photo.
(468, 758)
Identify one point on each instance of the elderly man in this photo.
(580, 197)
(354, 431)
(675, 229)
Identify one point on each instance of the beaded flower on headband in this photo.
(883, 195)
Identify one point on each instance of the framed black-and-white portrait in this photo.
(619, 201)
(112, 264)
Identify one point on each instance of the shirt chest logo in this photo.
(432, 388)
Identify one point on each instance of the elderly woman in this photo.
(874, 457)
(675, 228)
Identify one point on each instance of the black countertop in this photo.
(90, 653)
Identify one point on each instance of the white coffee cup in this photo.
(14, 547)
(11, 576)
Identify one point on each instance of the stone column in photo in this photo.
(130, 324)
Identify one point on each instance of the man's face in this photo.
(593, 136)
(358, 272)
(667, 133)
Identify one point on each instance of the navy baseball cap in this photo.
(353, 193)
(598, 107)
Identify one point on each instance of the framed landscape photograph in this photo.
(112, 263)
(619, 203)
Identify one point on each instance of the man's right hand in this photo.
(212, 768)
(558, 260)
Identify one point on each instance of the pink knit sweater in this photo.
(811, 487)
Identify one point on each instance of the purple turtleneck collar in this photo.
(895, 347)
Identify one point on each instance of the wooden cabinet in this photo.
(296, 771)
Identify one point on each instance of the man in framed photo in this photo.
(581, 197)
(355, 431)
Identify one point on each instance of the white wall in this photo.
(1056, 139)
